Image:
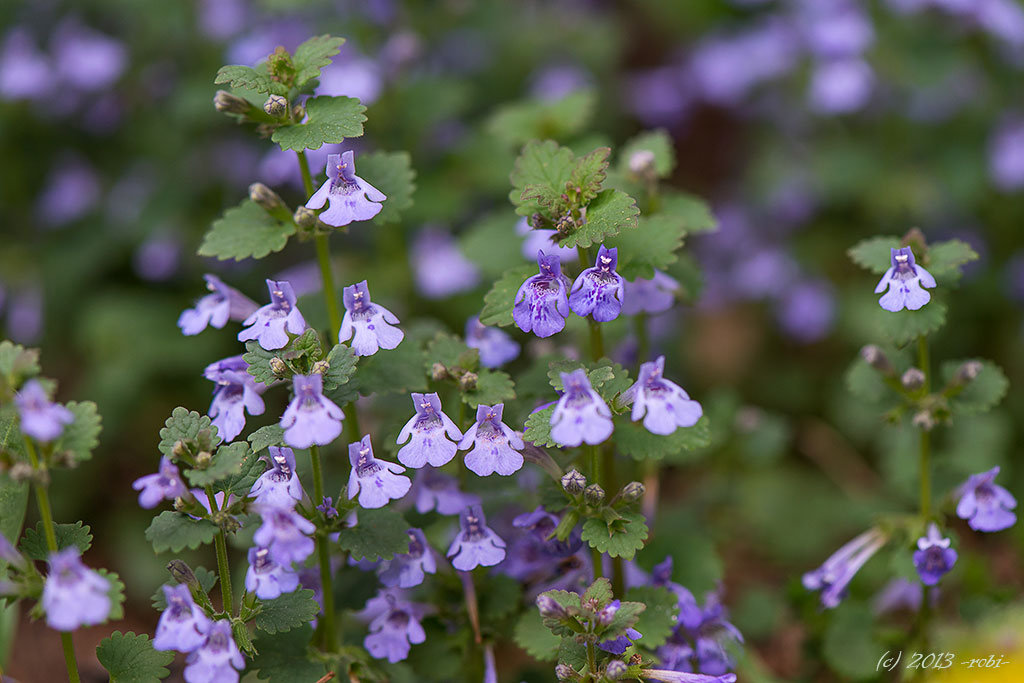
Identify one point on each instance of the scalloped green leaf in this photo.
(652, 246)
(391, 173)
(33, 542)
(946, 260)
(313, 55)
(659, 620)
(611, 212)
(83, 435)
(248, 78)
(286, 612)
(634, 440)
(378, 534)
(226, 462)
(500, 300)
(246, 231)
(283, 658)
(903, 327)
(271, 435)
(531, 635)
(130, 658)
(176, 531)
(589, 173)
(519, 122)
(492, 386)
(540, 165)
(538, 428)
(659, 143)
(341, 366)
(184, 425)
(873, 254)
(620, 538)
(693, 211)
(330, 121)
(981, 394)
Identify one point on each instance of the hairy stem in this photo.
(592, 661)
(46, 514)
(323, 555)
(221, 544)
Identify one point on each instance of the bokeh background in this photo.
(808, 125)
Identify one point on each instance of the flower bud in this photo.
(203, 460)
(21, 471)
(616, 669)
(276, 106)
(632, 492)
(179, 450)
(913, 379)
(298, 112)
(641, 162)
(226, 103)
(278, 366)
(967, 372)
(593, 495)
(321, 367)
(606, 614)
(549, 607)
(265, 197)
(924, 420)
(564, 672)
(573, 482)
(304, 218)
(877, 359)
(468, 381)
(438, 372)
(182, 573)
(180, 505)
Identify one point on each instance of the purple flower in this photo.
(543, 240)
(841, 86)
(656, 295)
(899, 594)
(597, 291)
(351, 75)
(618, 646)
(267, 578)
(495, 446)
(490, 667)
(310, 418)
(438, 491)
(351, 198)
(394, 628)
(183, 625)
(217, 659)
(581, 414)
(72, 190)
(24, 69)
(236, 392)
(832, 577)
(495, 346)
(73, 594)
(933, 557)
(475, 545)
(164, 485)
(285, 533)
(1006, 155)
(904, 281)
(375, 481)
(327, 508)
(225, 303)
(807, 311)
(542, 304)
(427, 429)
(370, 323)
(662, 404)
(666, 676)
(85, 59)
(836, 28)
(409, 569)
(269, 323)
(40, 418)
(984, 504)
(279, 486)
(157, 258)
(439, 267)
(536, 556)
(9, 554)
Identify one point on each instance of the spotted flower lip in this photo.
(663, 405)
(597, 291)
(166, 484)
(374, 481)
(236, 392)
(984, 504)
(833, 577)
(349, 197)
(182, 624)
(542, 303)
(426, 431)
(370, 326)
(269, 325)
(224, 303)
(492, 445)
(904, 280)
(216, 660)
(475, 545)
(266, 578)
(279, 485)
(311, 418)
(933, 558)
(581, 414)
(41, 418)
(73, 594)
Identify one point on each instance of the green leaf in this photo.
(452, 352)
(330, 120)
(520, 122)
(694, 212)
(17, 364)
(378, 534)
(116, 594)
(341, 365)
(652, 246)
(946, 259)
(982, 393)
(184, 425)
(538, 428)
(539, 642)
(271, 435)
(207, 580)
(13, 505)
(33, 543)
(286, 612)
(571, 603)
(398, 370)
(130, 658)
(611, 212)
(492, 386)
(589, 173)
(599, 591)
(659, 619)
(82, 435)
(849, 647)
(391, 173)
(313, 55)
(284, 658)
(500, 596)
(240, 482)
(634, 440)
(175, 531)
(248, 78)
(225, 463)
(499, 301)
(573, 653)
(906, 326)
(245, 231)
(660, 144)
(873, 254)
(625, 618)
(540, 165)
(258, 360)
(492, 244)
(621, 538)
(866, 383)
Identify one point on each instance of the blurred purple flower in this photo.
(24, 70)
(439, 267)
(225, 303)
(72, 190)
(157, 259)
(41, 418)
(236, 392)
(269, 325)
(496, 347)
(435, 490)
(555, 81)
(835, 28)
(351, 75)
(394, 626)
(597, 290)
(221, 19)
(807, 311)
(543, 240)
(183, 624)
(368, 325)
(279, 486)
(660, 96)
(25, 315)
(267, 578)
(495, 447)
(841, 86)
(375, 481)
(475, 545)
(725, 68)
(542, 303)
(1003, 19)
(311, 418)
(833, 577)
(899, 594)
(254, 46)
(656, 295)
(1006, 155)
(662, 404)
(86, 59)
(285, 533)
(73, 594)
(984, 504)
(217, 659)
(166, 484)
(408, 569)
(933, 557)
(904, 280)
(350, 197)
(581, 414)
(427, 430)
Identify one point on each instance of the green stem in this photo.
(596, 340)
(643, 341)
(925, 443)
(595, 465)
(592, 661)
(221, 545)
(46, 513)
(323, 555)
